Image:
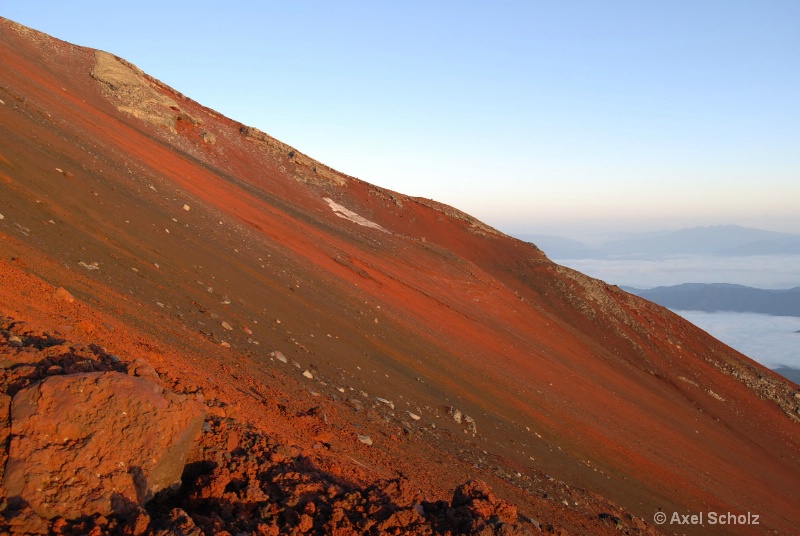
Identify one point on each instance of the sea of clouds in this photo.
(764, 271)
(772, 341)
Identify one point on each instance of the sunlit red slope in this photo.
(192, 219)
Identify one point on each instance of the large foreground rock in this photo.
(100, 442)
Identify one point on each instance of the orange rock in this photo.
(86, 326)
(63, 294)
(100, 442)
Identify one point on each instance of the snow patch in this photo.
(348, 214)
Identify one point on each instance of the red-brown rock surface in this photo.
(97, 442)
(311, 310)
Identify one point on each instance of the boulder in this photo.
(478, 498)
(63, 294)
(97, 443)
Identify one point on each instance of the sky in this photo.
(562, 118)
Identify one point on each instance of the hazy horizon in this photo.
(536, 118)
(592, 234)
(783, 272)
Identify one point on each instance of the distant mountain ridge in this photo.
(724, 297)
(716, 240)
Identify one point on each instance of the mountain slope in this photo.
(218, 246)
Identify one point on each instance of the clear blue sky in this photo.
(539, 117)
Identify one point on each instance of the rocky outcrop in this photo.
(132, 92)
(135, 93)
(302, 167)
(475, 226)
(97, 443)
(474, 509)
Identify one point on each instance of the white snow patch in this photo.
(348, 214)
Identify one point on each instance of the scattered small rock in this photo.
(471, 427)
(455, 414)
(384, 401)
(277, 354)
(614, 520)
(532, 521)
(227, 326)
(186, 208)
(308, 375)
(413, 416)
(63, 294)
(142, 369)
(365, 439)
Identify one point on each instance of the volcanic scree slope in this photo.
(369, 333)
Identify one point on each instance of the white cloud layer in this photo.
(773, 341)
(765, 271)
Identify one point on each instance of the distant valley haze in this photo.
(716, 241)
(724, 297)
(727, 254)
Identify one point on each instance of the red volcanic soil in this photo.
(216, 253)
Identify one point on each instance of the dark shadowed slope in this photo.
(212, 245)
